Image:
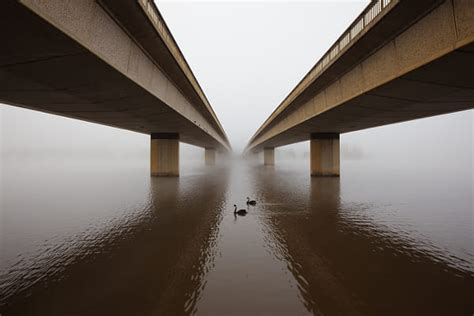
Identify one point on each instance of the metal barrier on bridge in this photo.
(358, 26)
(365, 19)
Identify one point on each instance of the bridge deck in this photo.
(403, 66)
(75, 59)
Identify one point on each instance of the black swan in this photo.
(241, 212)
(251, 202)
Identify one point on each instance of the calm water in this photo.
(105, 239)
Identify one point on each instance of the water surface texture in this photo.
(106, 239)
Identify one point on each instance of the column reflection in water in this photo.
(349, 262)
(95, 242)
(144, 256)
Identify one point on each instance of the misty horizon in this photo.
(115, 210)
(241, 102)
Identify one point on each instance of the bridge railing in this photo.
(160, 26)
(349, 36)
(364, 20)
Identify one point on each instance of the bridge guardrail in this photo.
(347, 37)
(365, 19)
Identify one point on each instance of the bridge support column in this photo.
(164, 155)
(210, 156)
(269, 156)
(325, 155)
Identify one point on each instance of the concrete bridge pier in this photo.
(210, 156)
(325, 155)
(269, 156)
(164, 155)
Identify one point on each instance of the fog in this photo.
(247, 57)
(80, 216)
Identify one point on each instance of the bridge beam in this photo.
(269, 156)
(325, 154)
(164, 155)
(407, 63)
(210, 156)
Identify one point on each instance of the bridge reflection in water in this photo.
(141, 249)
(122, 243)
(370, 258)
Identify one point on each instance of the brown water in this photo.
(102, 239)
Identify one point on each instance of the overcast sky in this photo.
(247, 56)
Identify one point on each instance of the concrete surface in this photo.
(325, 155)
(269, 156)
(210, 156)
(89, 60)
(416, 61)
(164, 155)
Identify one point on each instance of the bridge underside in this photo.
(443, 86)
(42, 68)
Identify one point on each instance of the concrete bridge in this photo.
(399, 60)
(112, 62)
